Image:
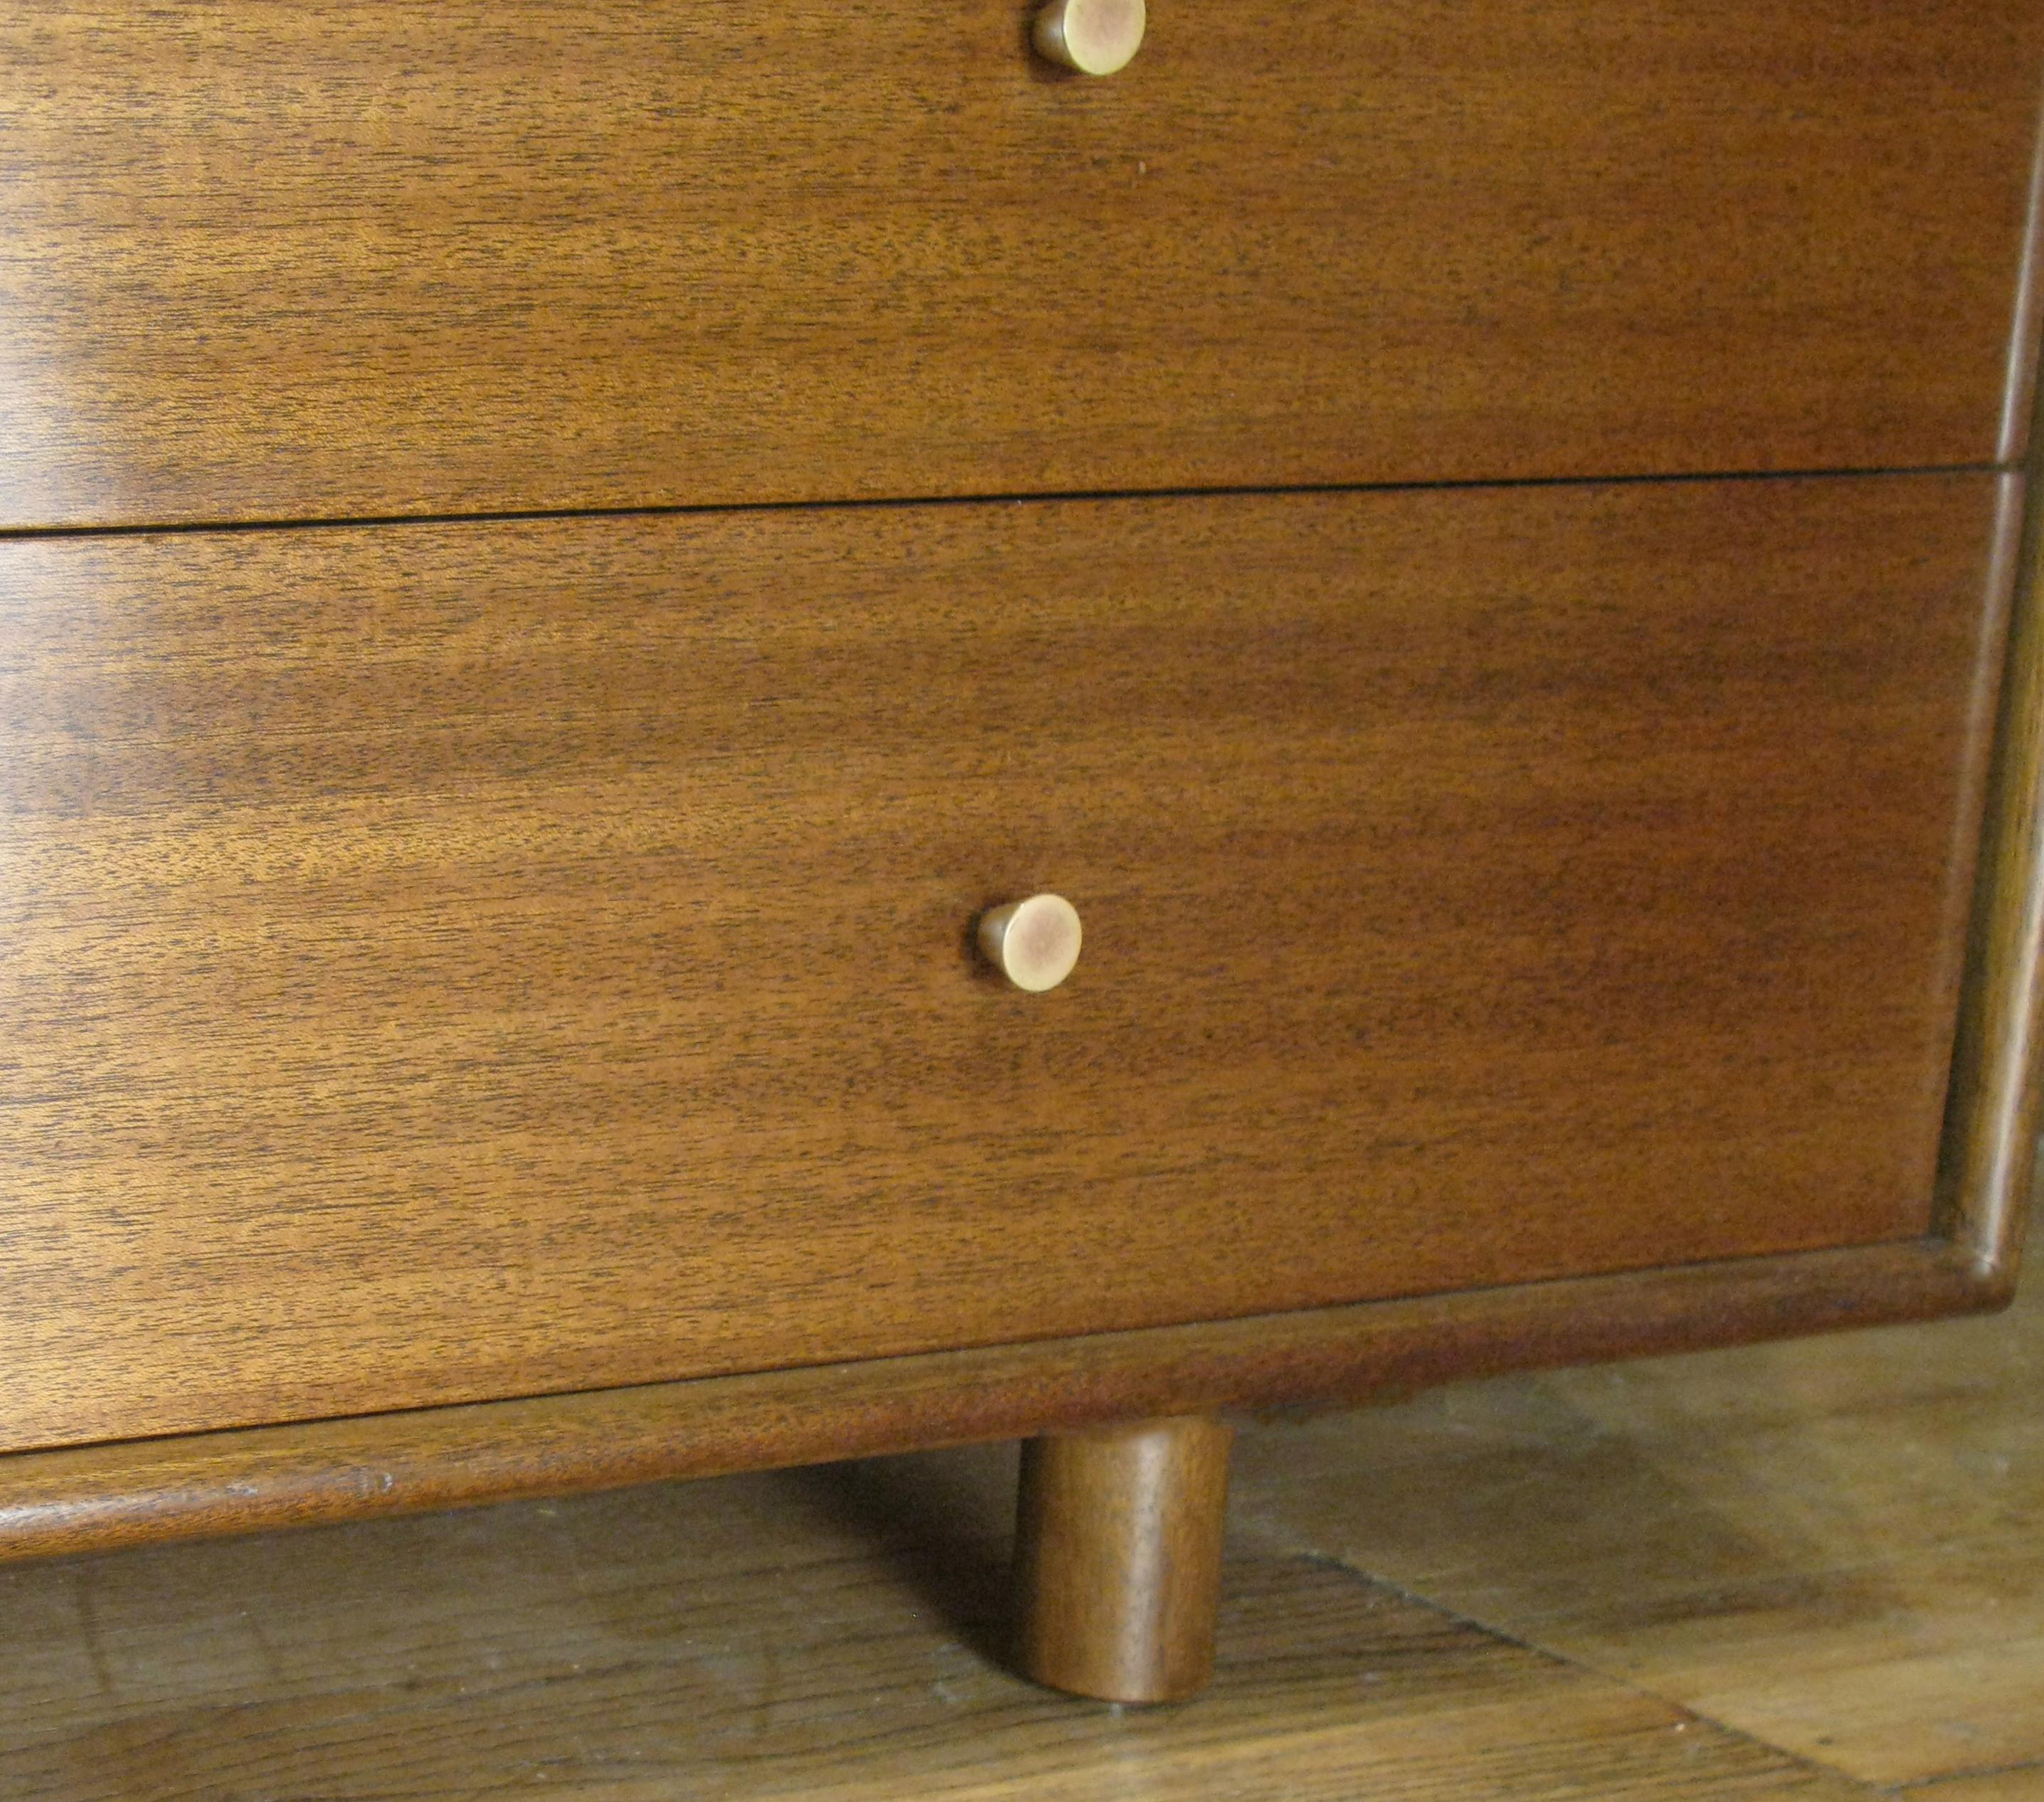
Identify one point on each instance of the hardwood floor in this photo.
(1813, 1570)
(1836, 1547)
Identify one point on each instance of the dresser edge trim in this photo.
(98, 1498)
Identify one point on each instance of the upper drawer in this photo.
(287, 261)
(452, 960)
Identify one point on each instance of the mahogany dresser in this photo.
(565, 566)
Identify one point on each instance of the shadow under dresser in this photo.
(563, 567)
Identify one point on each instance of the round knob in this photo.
(1094, 37)
(1033, 943)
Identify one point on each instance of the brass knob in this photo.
(1094, 37)
(1034, 943)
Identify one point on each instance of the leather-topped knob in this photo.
(1095, 37)
(1034, 943)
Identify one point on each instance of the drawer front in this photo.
(449, 961)
(272, 261)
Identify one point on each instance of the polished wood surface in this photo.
(1744, 1578)
(199, 1485)
(1117, 1558)
(309, 260)
(1987, 1158)
(456, 962)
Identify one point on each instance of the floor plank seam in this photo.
(1801, 1760)
(1973, 1773)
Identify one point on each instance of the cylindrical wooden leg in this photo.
(1117, 1558)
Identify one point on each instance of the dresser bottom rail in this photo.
(102, 1497)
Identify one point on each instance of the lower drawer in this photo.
(451, 961)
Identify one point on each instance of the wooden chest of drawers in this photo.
(1480, 546)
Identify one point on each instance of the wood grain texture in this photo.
(458, 962)
(1118, 1536)
(1780, 1521)
(95, 1498)
(2020, 397)
(1835, 1548)
(307, 260)
(819, 1634)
